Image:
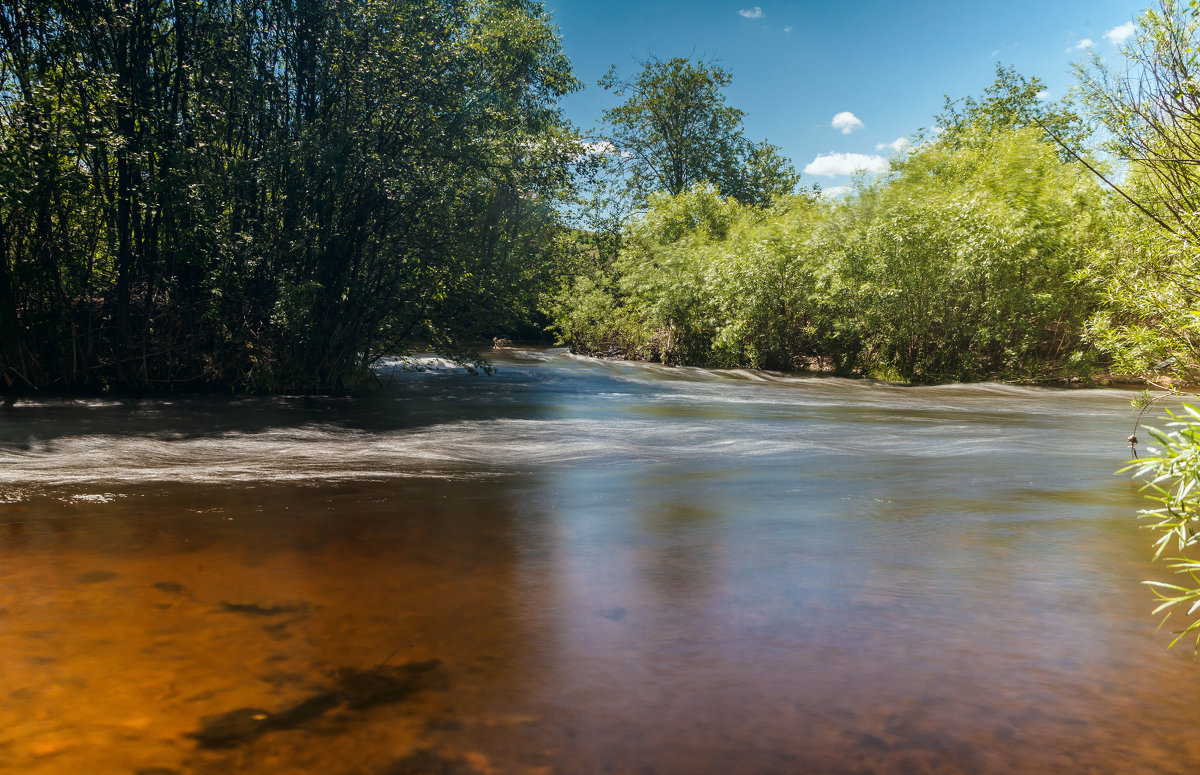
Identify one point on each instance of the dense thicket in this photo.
(264, 194)
(1150, 109)
(961, 264)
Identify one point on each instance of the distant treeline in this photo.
(264, 194)
(270, 194)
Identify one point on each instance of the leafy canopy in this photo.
(675, 130)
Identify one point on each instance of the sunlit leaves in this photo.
(1172, 474)
(960, 265)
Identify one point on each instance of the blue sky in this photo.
(797, 65)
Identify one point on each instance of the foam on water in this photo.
(540, 409)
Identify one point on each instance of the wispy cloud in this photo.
(899, 144)
(1120, 33)
(846, 122)
(832, 165)
(751, 13)
(601, 148)
(788, 29)
(833, 192)
(1082, 44)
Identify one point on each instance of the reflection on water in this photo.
(578, 567)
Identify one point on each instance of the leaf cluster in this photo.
(1173, 481)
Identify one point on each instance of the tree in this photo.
(675, 129)
(1012, 101)
(268, 194)
(1151, 110)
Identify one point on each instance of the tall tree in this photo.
(1011, 101)
(675, 129)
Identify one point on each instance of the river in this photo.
(573, 567)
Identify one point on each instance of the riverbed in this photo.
(575, 566)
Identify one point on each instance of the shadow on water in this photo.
(403, 400)
(586, 568)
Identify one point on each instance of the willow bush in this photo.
(1172, 474)
(962, 263)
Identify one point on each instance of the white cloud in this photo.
(602, 148)
(833, 192)
(1082, 44)
(751, 13)
(1120, 34)
(847, 122)
(1043, 95)
(899, 144)
(831, 165)
(788, 29)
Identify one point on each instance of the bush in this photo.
(961, 264)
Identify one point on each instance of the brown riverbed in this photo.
(577, 567)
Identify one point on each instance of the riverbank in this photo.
(819, 367)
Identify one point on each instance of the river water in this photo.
(574, 566)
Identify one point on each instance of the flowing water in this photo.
(574, 566)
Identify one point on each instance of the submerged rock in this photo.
(305, 711)
(259, 609)
(232, 729)
(355, 688)
(383, 684)
(241, 726)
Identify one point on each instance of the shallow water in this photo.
(619, 568)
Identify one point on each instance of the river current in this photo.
(573, 566)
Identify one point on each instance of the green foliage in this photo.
(1150, 107)
(1148, 323)
(675, 130)
(961, 264)
(965, 268)
(264, 194)
(1012, 101)
(1173, 475)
